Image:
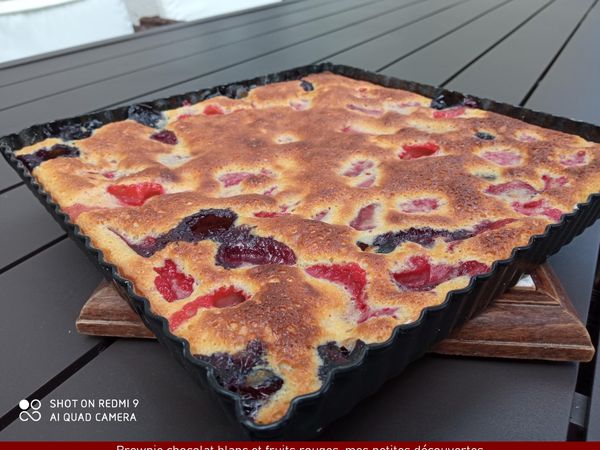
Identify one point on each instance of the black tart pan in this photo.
(370, 365)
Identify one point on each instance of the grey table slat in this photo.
(444, 399)
(515, 72)
(571, 86)
(322, 48)
(105, 93)
(25, 225)
(171, 405)
(41, 298)
(21, 93)
(375, 54)
(570, 89)
(436, 398)
(435, 63)
(8, 177)
(87, 54)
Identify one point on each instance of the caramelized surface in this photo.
(276, 230)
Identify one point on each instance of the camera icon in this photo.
(30, 410)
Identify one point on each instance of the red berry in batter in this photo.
(551, 182)
(449, 113)
(420, 205)
(365, 219)
(422, 275)
(165, 136)
(172, 283)
(518, 189)
(213, 110)
(223, 297)
(135, 194)
(414, 151)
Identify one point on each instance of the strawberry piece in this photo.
(165, 136)
(537, 208)
(488, 225)
(414, 151)
(576, 159)
(269, 214)
(420, 205)
(386, 311)
(321, 215)
(424, 276)
(213, 110)
(472, 268)
(299, 105)
(75, 209)
(362, 109)
(110, 175)
(358, 167)
(449, 113)
(365, 219)
(284, 210)
(135, 194)
(270, 191)
(515, 189)
(171, 283)
(503, 157)
(367, 183)
(551, 182)
(527, 138)
(234, 178)
(416, 276)
(353, 278)
(224, 297)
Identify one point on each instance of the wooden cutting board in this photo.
(533, 320)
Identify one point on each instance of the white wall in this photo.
(141, 8)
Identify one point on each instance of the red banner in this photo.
(313, 445)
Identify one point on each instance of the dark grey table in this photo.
(539, 53)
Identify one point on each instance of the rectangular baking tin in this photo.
(344, 386)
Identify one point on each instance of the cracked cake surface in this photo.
(280, 232)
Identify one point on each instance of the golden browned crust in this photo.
(316, 158)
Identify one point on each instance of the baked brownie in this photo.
(280, 232)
